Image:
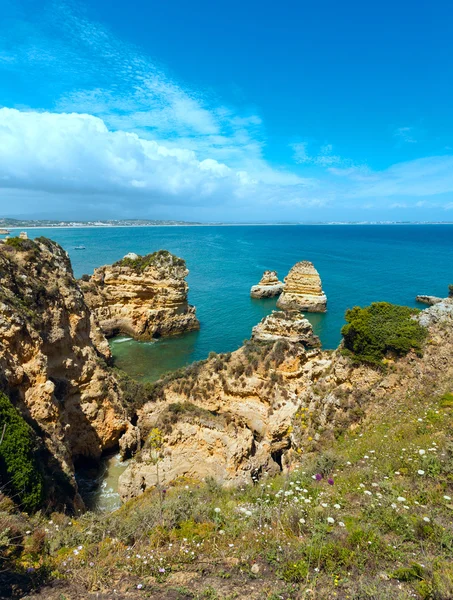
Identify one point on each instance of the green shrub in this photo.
(20, 474)
(20, 244)
(450, 290)
(143, 262)
(381, 328)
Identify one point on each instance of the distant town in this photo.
(6, 224)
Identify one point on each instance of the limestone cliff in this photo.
(228, 417)
(52, 356)
(141, 296)
(237, 416)
(303, 290)
(268, 287)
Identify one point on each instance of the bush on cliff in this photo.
(141, 263)
(20, 474)
(381, 328)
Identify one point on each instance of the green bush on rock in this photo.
(20, 474)
(381, 328)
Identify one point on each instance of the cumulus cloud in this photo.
(77, 152)
(71, 153)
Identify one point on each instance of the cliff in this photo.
(303, 290)
(141, 296)
(238, 416)
(228, 417)
(268, 287)
(53, 357)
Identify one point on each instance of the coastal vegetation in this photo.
(380, 330)
(20, 473)
(140, 263)
(370, 518)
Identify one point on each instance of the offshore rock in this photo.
(290, 326)
(53, 357)
(142, 296)
(268, 287)
(303, 290)
(428, 299)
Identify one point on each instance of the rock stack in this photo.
(303, 289)
(290, 326)
(142, 296)
(268, 287)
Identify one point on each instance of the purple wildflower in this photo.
(330, 481)
(161, 570)
(318, 476)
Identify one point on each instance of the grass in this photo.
(372, 517)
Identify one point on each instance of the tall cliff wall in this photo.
(53, 356)
(142, 296)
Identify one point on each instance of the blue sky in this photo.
(230, 111)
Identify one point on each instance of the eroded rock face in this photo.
(290, 326)
(52, 355)
(230, 416)
(144, 297)
(303, 290)
(237, 416)
(268, 287)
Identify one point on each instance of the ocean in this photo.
(358, 264)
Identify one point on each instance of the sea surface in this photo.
(358, 264)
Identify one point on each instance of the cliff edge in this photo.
(142, 296)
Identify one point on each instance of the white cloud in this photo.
(70, 153)
(77, 152)
(324, 158)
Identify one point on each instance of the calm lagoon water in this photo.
(358, 265)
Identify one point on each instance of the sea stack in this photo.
(268, 287)
(141, 296)
(303, 289)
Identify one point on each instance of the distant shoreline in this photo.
(77, 227)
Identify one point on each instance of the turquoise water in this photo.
(357, 264)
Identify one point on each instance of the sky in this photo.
(233, 111)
